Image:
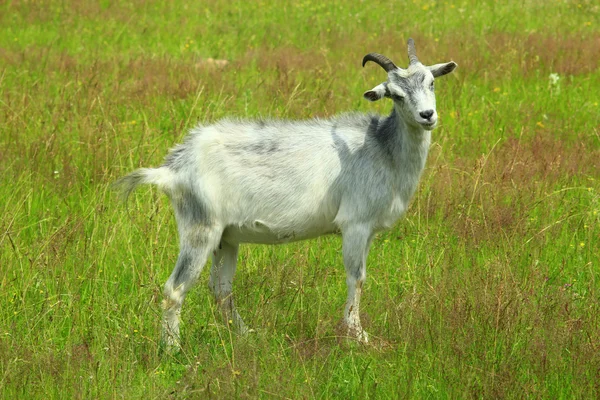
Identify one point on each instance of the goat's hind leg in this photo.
(221, 281)
(197, 243)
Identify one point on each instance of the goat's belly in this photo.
(261, 233)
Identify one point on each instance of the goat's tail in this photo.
(162, 177)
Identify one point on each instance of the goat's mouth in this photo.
(428, 125)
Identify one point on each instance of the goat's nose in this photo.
(426, 114)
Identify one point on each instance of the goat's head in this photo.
(411, 89)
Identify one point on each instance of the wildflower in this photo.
(539, 123)
(497, 90)
(553, 78)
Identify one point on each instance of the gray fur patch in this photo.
(175, 160)
(261, 123)
(190, 208)
(385, 132)
(410, 84)
(181, 154)
(182, 268)
(264, 147)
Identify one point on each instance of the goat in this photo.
(273, 182)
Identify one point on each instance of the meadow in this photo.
(488, 288)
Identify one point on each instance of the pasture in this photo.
(488, 288)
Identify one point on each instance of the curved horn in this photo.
(381, 60)
(412, 52)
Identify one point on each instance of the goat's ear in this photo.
(377, 92)
(442, 69)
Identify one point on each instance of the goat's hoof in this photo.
(169, 349)
(357, 333)
(169, 345)
(242, 330)
(238, 327)
(361, 336)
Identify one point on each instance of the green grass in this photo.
(489, 288)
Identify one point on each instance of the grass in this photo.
(487, 289)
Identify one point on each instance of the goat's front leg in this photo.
(356, 242)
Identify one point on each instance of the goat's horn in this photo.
(412, 52)
(382, 60)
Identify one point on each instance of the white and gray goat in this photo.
(280, 181)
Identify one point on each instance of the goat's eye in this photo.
(432, 86)
(397, 97)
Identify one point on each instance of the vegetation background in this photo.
(489, 288)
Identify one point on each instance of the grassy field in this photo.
(489, 288)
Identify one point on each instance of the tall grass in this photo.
(487, 289)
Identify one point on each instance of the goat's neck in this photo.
(410, 153)
(411, 144)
